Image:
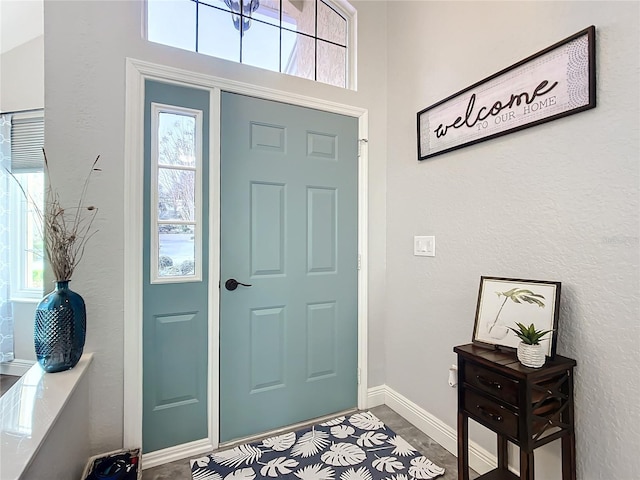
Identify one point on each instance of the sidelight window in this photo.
(176, 189)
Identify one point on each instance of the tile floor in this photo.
(180, 470)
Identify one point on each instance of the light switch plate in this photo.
(424, 246)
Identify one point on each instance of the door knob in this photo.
(232, 284)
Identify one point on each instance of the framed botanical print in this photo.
(504, 302)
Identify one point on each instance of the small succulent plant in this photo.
(529, 335)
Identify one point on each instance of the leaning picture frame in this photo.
(503, 302)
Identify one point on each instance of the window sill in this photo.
(33, 300)
(16, 367)
(29, 410)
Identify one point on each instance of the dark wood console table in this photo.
(527, 406)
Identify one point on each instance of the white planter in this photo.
(531, 355)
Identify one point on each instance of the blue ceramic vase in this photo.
(60, 329)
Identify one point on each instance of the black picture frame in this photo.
(491, 330)
(553, 83)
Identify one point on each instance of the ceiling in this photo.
(20, 22)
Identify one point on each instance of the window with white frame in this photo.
(305, 38)
(27, 236)
(176, 191)
(27, 166)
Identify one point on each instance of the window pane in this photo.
(268, 12)
(299, 16)
(220, 4)
(177, 250)
(172, 22)
(331, 25)
(260, 46)
(32, 268)
(177, 139)
(298, 55)
(216, 34)
(176, 194)
(332, 61)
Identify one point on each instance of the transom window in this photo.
(305, 38)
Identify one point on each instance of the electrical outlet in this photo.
(453, 375)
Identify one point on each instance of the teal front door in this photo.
(288, 265)
(175, 266)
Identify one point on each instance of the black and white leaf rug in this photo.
(357, 447)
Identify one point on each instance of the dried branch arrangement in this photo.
(65, 231)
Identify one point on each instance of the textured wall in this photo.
(85, 50)
(558, 202)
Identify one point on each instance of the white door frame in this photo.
(137, 72)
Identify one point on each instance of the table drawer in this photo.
(500, 419)
(493, 383)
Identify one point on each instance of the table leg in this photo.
(569, 441)
(503, 454)
(526, 465)
(463, 447)
(569, 457)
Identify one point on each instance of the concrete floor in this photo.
(180, 470)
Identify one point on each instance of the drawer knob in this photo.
(494, 416)
(489, 383)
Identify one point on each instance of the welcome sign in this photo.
(551, 84)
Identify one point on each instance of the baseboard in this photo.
(16, 367)
(187, 450)
(479, 459)
(376, 396)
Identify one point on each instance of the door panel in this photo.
(321, 340)
(175, 312)
(267, 228)
(267, 354)
(288, 343)
(321, 230)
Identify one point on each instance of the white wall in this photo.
(85, 50)
(22, 76)
(22, 88)
(557, 202)
(24, 314)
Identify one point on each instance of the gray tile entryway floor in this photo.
(180, 469)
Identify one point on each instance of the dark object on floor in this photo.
(119, 465)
